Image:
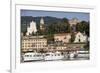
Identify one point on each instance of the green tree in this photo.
(72, 37)
(49, 37)
(83, 26)
(65, 25)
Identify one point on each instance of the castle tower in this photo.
(73, 21)
(42, 21)
(42, 25)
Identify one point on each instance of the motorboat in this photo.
(32, 56)
(54, 56)
(72, 55)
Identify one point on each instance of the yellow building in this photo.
(31, 43)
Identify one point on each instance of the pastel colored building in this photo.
(64, 37)
(30, 43)
(80, 37)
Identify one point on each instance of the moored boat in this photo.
(32, 56)
(54, 56)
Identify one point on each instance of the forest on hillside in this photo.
(54, 25)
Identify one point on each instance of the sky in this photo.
(80, 15)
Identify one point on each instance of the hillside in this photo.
(25, 20)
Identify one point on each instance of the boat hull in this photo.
(33, 59)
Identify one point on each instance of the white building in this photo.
(32, 28)
(42, 25)
(64, 37)
(42, 21)
(61, 47)
(80, 37)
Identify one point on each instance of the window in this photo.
(79, 40)
(65, 37)
(27, 55)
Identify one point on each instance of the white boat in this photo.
(83, 55)
(53, 56)
(73, 55)
(83, 51)
(32, 56)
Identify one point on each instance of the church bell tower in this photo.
(42, 25)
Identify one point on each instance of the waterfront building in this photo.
(63, 37)
(80, 38)
(31, 43)
(61, 47)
